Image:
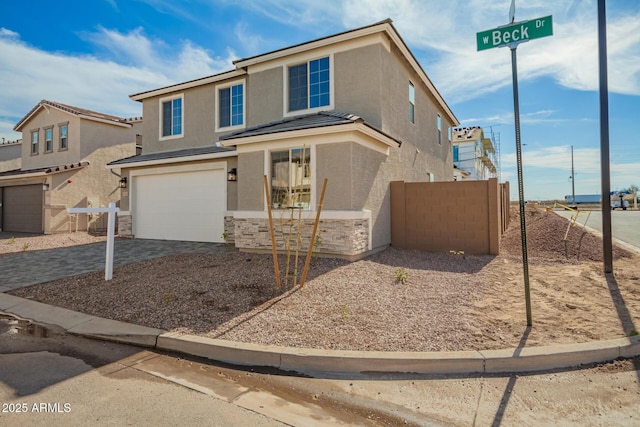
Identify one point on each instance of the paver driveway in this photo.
(28, 268)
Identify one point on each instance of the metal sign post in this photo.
(512, 35)
(111, 227)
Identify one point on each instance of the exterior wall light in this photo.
(232, 175)
(123, 182)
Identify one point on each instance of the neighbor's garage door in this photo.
(22, 209)
(180, 206)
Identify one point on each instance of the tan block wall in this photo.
(464, 216)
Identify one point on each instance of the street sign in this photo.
(515, 33)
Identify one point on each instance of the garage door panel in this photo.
(22, 208)
(180, 206)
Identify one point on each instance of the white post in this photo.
(111, 227)
(111, 231)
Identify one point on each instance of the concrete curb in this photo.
(316, 361)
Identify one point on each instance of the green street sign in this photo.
(515, 33)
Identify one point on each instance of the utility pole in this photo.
(607, 244)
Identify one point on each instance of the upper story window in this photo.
(439, 130)
(412, 103)
(309, 85)
(171, 117)
(63, 137)
(291, 178)
(34, 141)
(48, 140)
(456, 153)
(230, 105)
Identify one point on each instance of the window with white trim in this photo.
(309, 85)
(63, 136)
(291, 178)
(171, 117)
(412, 103)
(230, 106)
(34, 141)
(48, 140)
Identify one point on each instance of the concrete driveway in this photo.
(29, 268)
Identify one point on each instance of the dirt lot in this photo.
(448, 302)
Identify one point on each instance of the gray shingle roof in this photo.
(70, 109)
(46, 169)
(187, 152)
(309, 121)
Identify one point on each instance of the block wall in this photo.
(466, 216)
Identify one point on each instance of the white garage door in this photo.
(180, 206)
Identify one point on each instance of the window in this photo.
(171, 117)
(34, 142)
(291, 178)
(63, 137)
(449, 134)
(412, 103)
(231, 106)
(48, 140)
(439, 130)
(455, 154)
(309, 85)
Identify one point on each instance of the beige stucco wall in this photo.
(91, 186)
(199, 119)
(359, 84)
(265, 96)
(46, 117)
(251, 181)
(10, 156)
(432, 157)
(84, 137)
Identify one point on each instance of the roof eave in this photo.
(170, 160)
(383, 139)
(188, 85)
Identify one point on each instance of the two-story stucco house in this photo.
(473, 154)
(355, 107)
(64, 153)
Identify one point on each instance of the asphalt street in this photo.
(625, 225)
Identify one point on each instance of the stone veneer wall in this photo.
(229, 229)
(124, 225)
(337, 236)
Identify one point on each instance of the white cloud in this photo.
(137, 50)
(536, 117)
(92, 82)
(556, 157)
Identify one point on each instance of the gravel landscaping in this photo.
(448, 301)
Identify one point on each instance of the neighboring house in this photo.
(473, 154)
(10, 155)
(459, 174)
(64, 153)
(356, 108)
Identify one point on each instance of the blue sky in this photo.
(94, 54)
